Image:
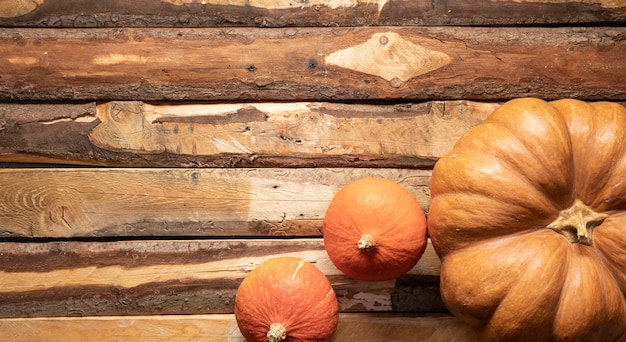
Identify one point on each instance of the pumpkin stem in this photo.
(577, 222)
(366, 242)
(277, 333)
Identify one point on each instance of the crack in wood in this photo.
(601, 3)
(87, 117)
(283, 4)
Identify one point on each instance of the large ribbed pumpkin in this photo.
(528, 216)
(374, 229)
(286, 299)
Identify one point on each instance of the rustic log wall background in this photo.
(153, 152)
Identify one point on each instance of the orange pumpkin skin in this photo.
(385, 211)
(528, 216)
(290, 292)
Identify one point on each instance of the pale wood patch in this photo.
(283, 129)
(223, 328)
(15, 8)
(390, 56)
(166, 202)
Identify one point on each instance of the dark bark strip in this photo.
(179, 277)
(211, 13)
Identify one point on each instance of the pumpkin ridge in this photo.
(606, 249)
(523, 224)
(602, 203)
(548, 205)
(605, 198)
(513, 165)
(590, 271)
(509, 282)
(519, 328)
(555, 123)
(594, 124)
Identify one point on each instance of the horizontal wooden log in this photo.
(316, 64)
(247, 134)
(49, 203)
(181, 277)
(103, 13)
(223, 327)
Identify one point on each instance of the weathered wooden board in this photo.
(181, 13)
(153, 277)
(223, 327)
(317, 64)
(291, 134)
(179, 202)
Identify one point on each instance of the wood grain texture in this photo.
(223, 327)
(237, 134)
(179, 202)
(156, 277)
(294, 64)
(205, 13)
(300, 97)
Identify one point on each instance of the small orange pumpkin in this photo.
(374, 230)
(286, 299)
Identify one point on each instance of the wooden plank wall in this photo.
(153, 152)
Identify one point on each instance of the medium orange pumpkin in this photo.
(374, 229)
(286, 299)
(528, 216)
